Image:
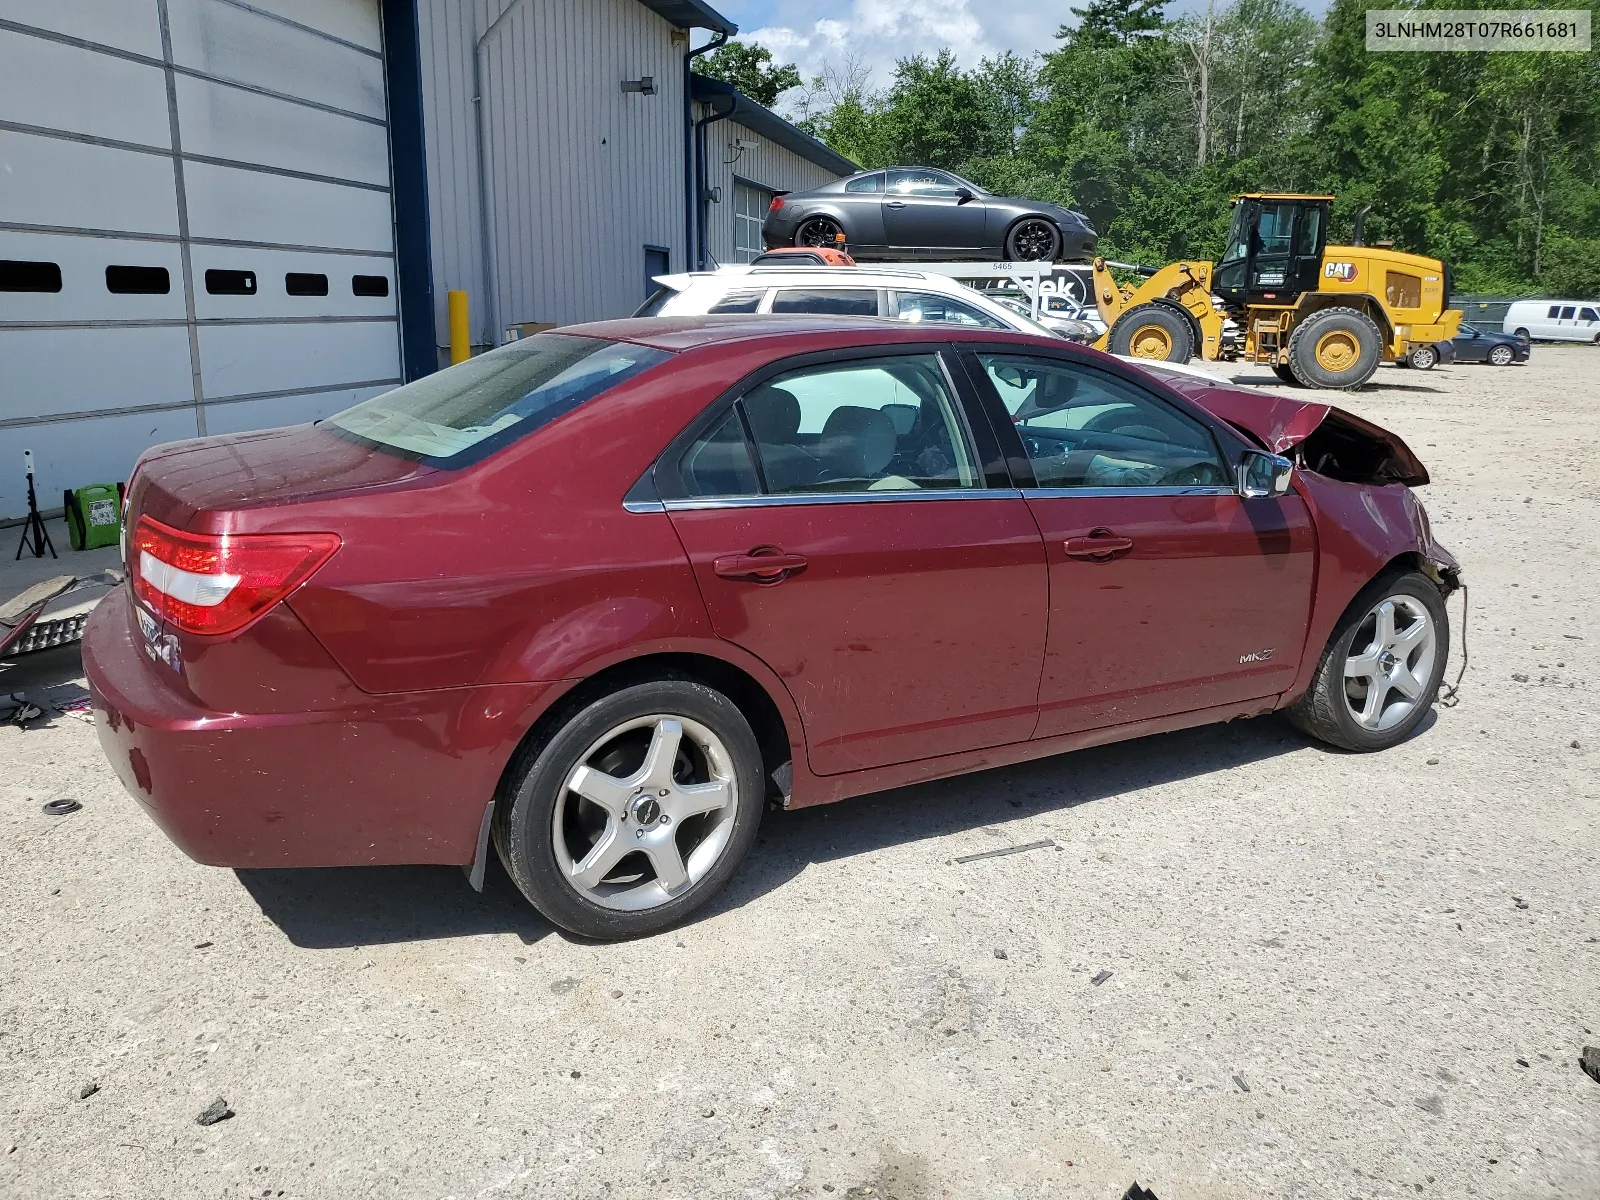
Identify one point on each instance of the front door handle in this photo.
(764, 564)
(894, 203)
(1100, 546)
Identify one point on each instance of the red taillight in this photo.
(777, 203)
(219, 583)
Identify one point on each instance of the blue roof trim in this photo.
(770, 125)
(692, 14)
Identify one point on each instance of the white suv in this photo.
(904, 294)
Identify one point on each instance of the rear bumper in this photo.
(399, 779)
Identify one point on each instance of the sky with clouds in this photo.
(812, 33)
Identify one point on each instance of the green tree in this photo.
(751, 69)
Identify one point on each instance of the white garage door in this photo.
(196, 233)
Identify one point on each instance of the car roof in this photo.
(692, 331)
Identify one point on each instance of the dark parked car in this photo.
(1486, 346)
(917, 212)
(601, 596)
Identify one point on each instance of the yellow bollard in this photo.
(460, 339)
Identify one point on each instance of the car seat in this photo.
(774, 416)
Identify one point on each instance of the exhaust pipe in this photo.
(1361, 225)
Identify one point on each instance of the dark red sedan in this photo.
(601, 595)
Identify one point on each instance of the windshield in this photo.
(1238, 243)
(457, 416)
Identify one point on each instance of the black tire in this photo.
(1502, 356)
(1324, 711)
(1286, 373)
(818, 231)
(1153, 331)
(1353, 334)
(1526, 337)
(525, 810)
(1033, 239)
(1423, 358)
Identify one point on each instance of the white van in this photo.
(1555, 320)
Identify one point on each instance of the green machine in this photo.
(94, 515)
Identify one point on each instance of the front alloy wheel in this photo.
(1033, 239)
(1382, 667)
(1502, 356)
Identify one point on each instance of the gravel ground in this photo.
(1330, 975)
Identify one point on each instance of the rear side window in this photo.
(738, 302)
(879, 425)
(839, 302)
(1566, 313)
(867, 183)
(457, 416)
(1554, 313)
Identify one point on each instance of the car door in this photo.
(1470, 345)
(1588, 324)
(923, 210)
(1169, 593)
(844, 528)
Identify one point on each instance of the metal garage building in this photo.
(218, 215)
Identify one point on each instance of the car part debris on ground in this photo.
(61, 807)
(1023, 849)
(217, 1110)
(1100, 977)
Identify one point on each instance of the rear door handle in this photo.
(1101, 546)
(764, 564)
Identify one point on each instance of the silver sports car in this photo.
(918, 212)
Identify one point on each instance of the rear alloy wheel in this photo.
(1033, 239)
(817, 231)
(1152, 331)
(635, 812)
(1381, 670)
(1336, 348)
(1502, 356)
(1424, 358)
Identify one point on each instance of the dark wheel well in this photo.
(772, 734)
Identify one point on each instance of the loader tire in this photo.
(1336, 348)
(1286, 373)
(1153, 331)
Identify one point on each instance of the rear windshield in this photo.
(657, 301)
(457, 416)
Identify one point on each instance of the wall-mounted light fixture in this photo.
(645, 86)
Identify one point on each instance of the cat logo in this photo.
(1344, 272)
(1257, 655)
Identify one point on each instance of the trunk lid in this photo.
(177, 481)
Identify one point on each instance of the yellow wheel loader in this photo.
(1318, 315)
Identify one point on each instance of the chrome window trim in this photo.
(1104, 492)
(794, 499)
(643, 506)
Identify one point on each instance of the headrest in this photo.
(774, 414)
(857, 443)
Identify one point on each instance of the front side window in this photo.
(1085, 429)
(839, 302)
(928, 306)
(880, 425)
(1588, 314)
(459, 415)
(866, 183)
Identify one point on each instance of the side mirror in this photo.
(963, 195)
(1264, 476)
